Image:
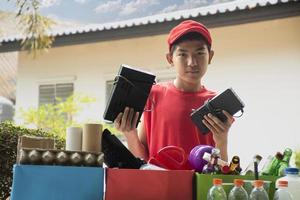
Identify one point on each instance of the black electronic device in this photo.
(116, 154)
(227, 100)
(131, 89)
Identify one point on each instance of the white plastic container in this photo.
(282, 193)
(293, 178)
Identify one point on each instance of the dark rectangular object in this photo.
(227, 100)
(131, 89)
(116, 154)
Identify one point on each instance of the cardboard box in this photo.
(34, 143)
(131, 184)
(37, 182)
(205, 181)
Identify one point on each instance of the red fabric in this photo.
(169, 122)
(188, 26)
(131, 184)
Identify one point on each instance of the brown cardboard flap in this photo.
(34, 142)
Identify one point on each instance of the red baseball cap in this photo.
(185, 27)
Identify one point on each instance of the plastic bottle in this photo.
(282, 193)
(238, 192)
(252, 166)
(293, 178)
(258, 192)
(216, 192)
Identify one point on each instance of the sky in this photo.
(102, 11)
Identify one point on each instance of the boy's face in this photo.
(190, 59)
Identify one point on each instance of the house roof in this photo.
(240, 11)
(12, 30)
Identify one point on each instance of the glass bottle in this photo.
(285, 161)
(282, 193)
(238, 192)
(272, 167)
(258, 192)
(216, 192)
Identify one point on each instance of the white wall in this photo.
(261, 61)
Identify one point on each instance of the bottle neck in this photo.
(282, 187)
(218, 185)
(292, 175)
(259, 187)
(286, 158)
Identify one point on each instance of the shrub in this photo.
(9, 134)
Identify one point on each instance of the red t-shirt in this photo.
(169, 122)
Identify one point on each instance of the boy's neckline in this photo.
(172, 84)
(186, 91)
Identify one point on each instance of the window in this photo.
(48, 93)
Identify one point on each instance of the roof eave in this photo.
(248, 15)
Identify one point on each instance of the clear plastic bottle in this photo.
(282, 193)
(216, 192)
(238, 192)
(250, 169)
(258, 192)
(293, 178)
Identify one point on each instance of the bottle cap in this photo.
(235, 160)
(258, 183)
(279, 156)
(238, 182)
(283, 183)
(291, 170)
(288, 151)
(217, 181)
(257, 157)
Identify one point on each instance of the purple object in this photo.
(196, 157)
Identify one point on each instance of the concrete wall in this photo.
(259, 60)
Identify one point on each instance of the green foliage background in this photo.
(56, 118)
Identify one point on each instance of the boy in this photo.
(169, 122)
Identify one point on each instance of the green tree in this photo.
(33, 26)
(56, 117)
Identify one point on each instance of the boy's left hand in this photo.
(218, 128)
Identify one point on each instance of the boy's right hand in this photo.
(126, 122)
